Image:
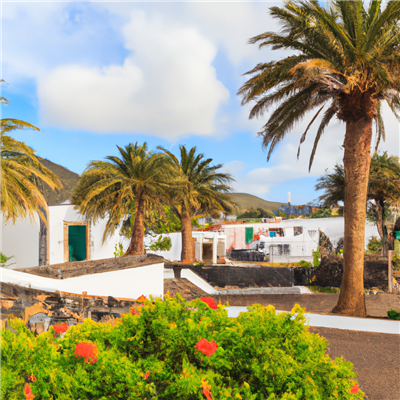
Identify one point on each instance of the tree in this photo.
(383, 190)
(202, 188)
(346, 63)
(19, 171)
(107, 189)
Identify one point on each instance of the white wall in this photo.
(22, 242)
(332, 227)
(98, 251)
(127, 283)
(175, 253)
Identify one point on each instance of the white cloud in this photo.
(284, 165)
(166, 87)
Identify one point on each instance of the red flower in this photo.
(32, 378)
(206, 389)
(206, 347)
(28, 392)
(86, 350)
(354, 389)
(62, 328)
(210, 302)
(145, 376)
(134, 312)
(141, 298)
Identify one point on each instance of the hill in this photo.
(67, 178)
(245, 201)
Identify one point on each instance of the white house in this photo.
(67, 237)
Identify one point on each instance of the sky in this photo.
(94, 75)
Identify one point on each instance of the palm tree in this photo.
(383, 189)
(20, 169)
(346, 63)
(109, 188)
(201, 187)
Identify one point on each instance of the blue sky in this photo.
(93, 75)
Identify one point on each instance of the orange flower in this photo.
(142, 298)
(354, 389)
(145, 376)
(206, 347)
(210, 302)
(32, 378)
(86, 350)
(61, 328)
(28, 392)
(206, 389)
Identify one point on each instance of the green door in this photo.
(77, 242)
(249, 235)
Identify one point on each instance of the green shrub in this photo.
(374, 245)
(394, 314)
(305, 264)
(396, 255)
(316, 256)
(153, 355)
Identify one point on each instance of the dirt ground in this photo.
(375, 356)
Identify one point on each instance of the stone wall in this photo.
(243, 277)
(330, 273)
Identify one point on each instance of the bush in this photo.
(374, 245)
(305, 264)
(175, 349)
(316, 258)
(394, 314)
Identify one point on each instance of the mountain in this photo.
(245, 201)
(67, 178)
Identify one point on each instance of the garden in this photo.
(175, 349)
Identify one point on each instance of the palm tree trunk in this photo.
(187, 241)
(136, 245)
(357, 159)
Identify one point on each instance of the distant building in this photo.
(295, 210)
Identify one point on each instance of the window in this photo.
(279, 249)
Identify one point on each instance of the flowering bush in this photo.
(175, 349)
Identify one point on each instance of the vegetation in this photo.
(374, 245)
(202, 188)
(109, 188)
(323, 289)
(346, 63)
(256, 213)
(316, 257)
(305, 264)
(19, 171)
(175, 349)
(383, 189)
(4, 259)
(396, 255)
(322, 213)
(393, 314)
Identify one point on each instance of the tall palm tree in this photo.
(108, 189)
(383, 189)
(201, 187)
(346, 63)
(19, 171)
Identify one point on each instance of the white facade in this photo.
(300, 245)
(174, 254)
(22, 239)
(127, 283)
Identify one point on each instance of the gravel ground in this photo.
(375, 356)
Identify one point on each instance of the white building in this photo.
(67, 237)
(290, 240)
